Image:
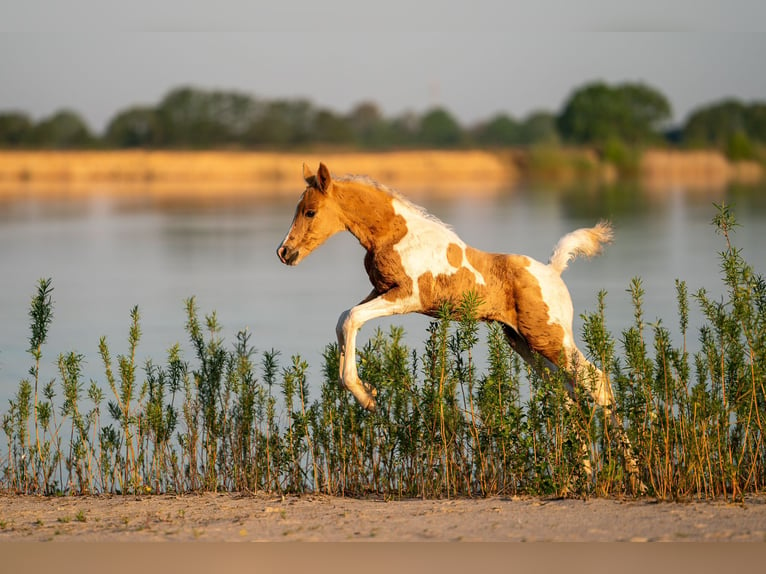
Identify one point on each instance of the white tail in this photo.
(586, 241)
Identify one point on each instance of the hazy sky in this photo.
(475, 58)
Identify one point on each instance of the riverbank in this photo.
(212, 173)
(168, 173)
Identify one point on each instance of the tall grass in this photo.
(178, 173)
(231, 419)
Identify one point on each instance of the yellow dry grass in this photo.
(205, 172)
(209, 174)
(695, 169)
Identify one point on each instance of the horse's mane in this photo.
(412, 207)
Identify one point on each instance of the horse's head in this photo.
(317, 217)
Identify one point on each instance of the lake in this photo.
(107, 255)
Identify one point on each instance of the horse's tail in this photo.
(584, 241)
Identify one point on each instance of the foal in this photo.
(415, 263)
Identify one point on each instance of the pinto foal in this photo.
(415, 263)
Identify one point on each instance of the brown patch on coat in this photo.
(515, 298)
(378, 228)
(386, 272)
(454, 255)
(533, 320)
(499, 272)
(433, 291)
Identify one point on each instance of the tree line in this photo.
(596, 114)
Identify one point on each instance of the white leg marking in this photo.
(349, 323)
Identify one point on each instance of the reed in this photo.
(180, 174)
(230, 419)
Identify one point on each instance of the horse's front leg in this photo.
(349, 323)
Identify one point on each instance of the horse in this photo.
(415, 263)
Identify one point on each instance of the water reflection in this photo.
(106, 255)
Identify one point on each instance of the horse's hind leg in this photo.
(592, 378)
(521, 346)
(539, 364)
(600, 388)
(596, 382)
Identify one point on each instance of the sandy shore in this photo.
(229, 517)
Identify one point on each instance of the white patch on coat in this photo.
(424, 248)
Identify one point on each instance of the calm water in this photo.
(106, 256)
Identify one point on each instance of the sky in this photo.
(475, 58)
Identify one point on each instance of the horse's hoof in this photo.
(638, 485)
(370, 389)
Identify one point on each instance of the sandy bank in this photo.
(230, 517)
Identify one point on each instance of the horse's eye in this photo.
(310, 213)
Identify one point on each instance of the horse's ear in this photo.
(310, 178)
(323, 178)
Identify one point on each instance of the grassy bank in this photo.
(228, 419)
(182, 174)
(171, 172)
(696, 169)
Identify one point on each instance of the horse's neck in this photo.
(370, 216)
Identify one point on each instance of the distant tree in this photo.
(587, 116)
(370, 128)
(755, 121)
(235, 112)
(282, 124)
(330, 128)
(648, 112)
(63, 130)
(404, 129)
(598, 113)
(190, 117)
(15, 129)
(730, 125)
(501, 130)
(185, 120)
(538, 128)
(715, 124)
(272, 129)
(738, 147)
(439, 129)
(135, 127)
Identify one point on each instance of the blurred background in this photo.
(152, 151)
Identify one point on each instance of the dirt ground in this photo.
(230, 517)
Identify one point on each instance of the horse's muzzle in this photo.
(287, 255)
